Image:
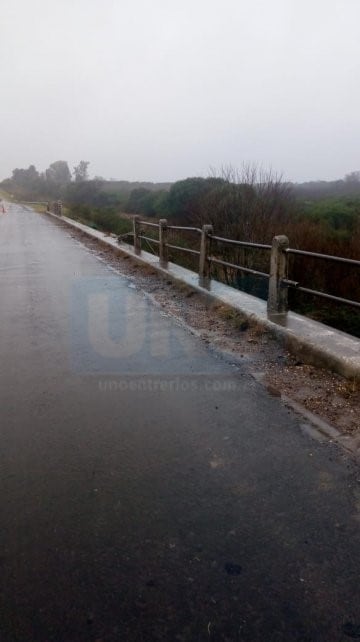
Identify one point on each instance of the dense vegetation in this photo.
(250, 205)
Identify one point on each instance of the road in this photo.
(150, 489)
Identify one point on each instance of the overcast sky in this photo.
(164, 89)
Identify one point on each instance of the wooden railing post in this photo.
(278, 294)
(163, 249)
(204, 263)
(137, 239)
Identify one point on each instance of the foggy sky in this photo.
(164, 89)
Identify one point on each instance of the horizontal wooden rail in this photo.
(148, 238)
(182, 249)
(234, 266)
(258, 246)
(326, 257)
(331, 297)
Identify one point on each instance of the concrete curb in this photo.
(312, 342)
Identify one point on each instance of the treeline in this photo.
(75, 188)
(349, 186)
(250, 204)
(54, 182)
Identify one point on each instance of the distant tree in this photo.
(25, 177)
(58, 173)
(147, 202)
(160, 202)
(340, 216)
(81, 172)
(137, 201)
(185, 197)
(250, 204)
(85, 192)
(26, 183)
(353, 177)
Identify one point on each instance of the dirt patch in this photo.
(329, 396)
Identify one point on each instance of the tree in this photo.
(86, 193)
(58, 173)
(26, 183)
(353, 177)
(25, 177)
(81, 171)
(185, 197)
(147, 202)
(250, 204)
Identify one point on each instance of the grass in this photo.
(238, 320)
(104, 219)
(185, 289)
(6, 196)
(39, 207)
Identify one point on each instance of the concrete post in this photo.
(137, 240)
(59, 208)
(204, 263)
(278, 294)
(163, 250)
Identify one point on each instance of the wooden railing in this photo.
(208, 255)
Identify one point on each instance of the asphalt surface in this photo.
(151, 490)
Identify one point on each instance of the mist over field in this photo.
(163, 90)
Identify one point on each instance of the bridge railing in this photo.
(209, 254)
(54, 207)
(329, 258)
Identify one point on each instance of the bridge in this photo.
(150, 489)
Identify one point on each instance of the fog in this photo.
(164, 89)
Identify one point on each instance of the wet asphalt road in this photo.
(149, 489)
